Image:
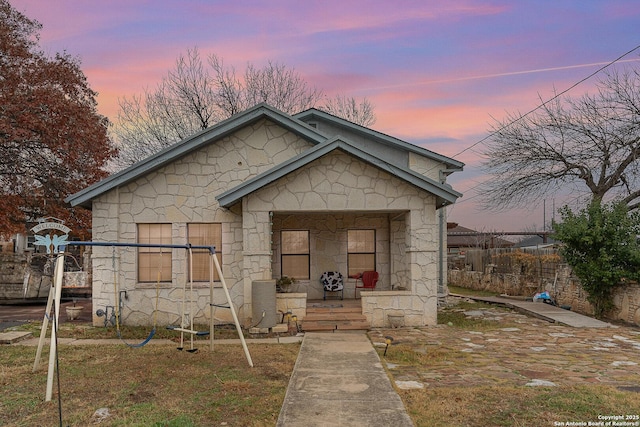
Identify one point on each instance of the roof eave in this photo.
(445, 195)
(452, 164)
(184, 147)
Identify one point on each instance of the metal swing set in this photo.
(186, 326)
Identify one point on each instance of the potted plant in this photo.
(73, 312)
(284, 283)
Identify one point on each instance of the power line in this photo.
(608, 64)
(556, 96)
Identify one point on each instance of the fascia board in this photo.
(192, 143)
(445, 193)
(452, 164)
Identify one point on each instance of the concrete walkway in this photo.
(339, 380)
(546, 312)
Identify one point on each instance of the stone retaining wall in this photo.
(564, 288)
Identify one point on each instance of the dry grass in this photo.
(516, 406)
(465, 399)
(160, 386)
(150, 386)
(87, 331)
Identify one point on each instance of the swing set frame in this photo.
(56, 291)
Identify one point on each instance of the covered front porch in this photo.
(405, 257)
(304, 245)
(320, 203)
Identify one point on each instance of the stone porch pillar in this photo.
(422, 256)
(256, 252)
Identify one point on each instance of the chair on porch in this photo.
(369, 279)
(332, 282)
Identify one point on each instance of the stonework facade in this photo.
(280, 174)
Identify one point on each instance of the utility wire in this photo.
(556, 96)
(530, 112)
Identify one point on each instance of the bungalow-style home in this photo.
(277, 195)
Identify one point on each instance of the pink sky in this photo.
(436, 71)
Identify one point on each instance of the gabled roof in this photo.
(192, 143)
(296, 124)
(315, 114)
(444, 193)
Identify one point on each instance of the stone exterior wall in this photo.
(20, 280)
(416, 309)
(12, 270)
(179, 193)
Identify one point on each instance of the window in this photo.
(295, 253)
(154, 263)
(361, 251)
(204, 235)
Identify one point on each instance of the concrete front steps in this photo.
(320, 319)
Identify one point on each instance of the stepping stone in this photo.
(409, 385)
(14, 336)
(472, 345)
(623, 363)
(474, 313)
(540, 383)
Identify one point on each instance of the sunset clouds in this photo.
(436, 71)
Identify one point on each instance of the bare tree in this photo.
(359, 112)
(195, 95)
(588, 145)
(184, 102)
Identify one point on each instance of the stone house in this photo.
(276, 195)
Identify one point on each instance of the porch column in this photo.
(256, 251)
(422, 254)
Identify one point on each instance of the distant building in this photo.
(536, 242)
(460, 239)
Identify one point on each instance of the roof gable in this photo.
(313, 114)
(296, 124)
(445, 195)
(194, 142)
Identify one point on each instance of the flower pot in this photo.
(396, 320)
(73, 312)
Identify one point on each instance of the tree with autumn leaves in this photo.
(53, 142)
